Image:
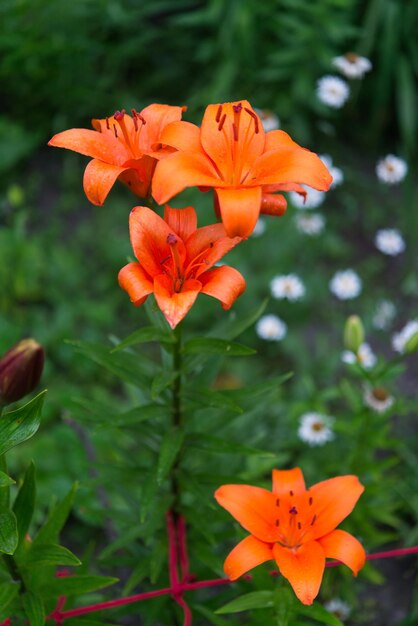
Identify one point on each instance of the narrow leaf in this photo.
(20, 425)
(170, 448)
(8, 592)
(75, 585)
(8, 532)
(5, 480)
(51, 554)
(209, 345)
(34, 609)
(50, 531)
(144, 335)
(253, 600)
(319, 613)
(24, 504)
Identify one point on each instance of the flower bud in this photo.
(353, 333)
(20, 370)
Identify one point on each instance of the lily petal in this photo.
(182, 221)
(286, 481)
(273, 204)
(181, 170)
(303, 568)
(240, 209)
(333, 500)
(157, 117)
(133, 279)
(209, 244)
(224, 283)
(291, 165)
(93, 144)
(344, 547)
(175, 305)
(253, 507)
(278, 139)
(249, 553)
(98, 180)
(182, 136)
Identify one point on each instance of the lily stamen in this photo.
(218, 113)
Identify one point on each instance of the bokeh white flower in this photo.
(310, 223)
(400, 339)
(377, 399)
(391, 169)
(287, 287)
(346, 284)
(389, 241)
(352, 65)
(269, 119)
(271, 328)
(384, 314)
(364, 356)
(336, 173)
(339, 608)
(259, 228)
(312, 200)
(316, 429)
(333, 91)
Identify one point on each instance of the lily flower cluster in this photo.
(157, 155)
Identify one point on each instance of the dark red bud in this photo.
(20, 370)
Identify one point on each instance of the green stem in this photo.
(14, 571)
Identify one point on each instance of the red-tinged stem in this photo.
(186, 610)
(172, 550)
(6, 622)
(182, 545)
(382, 555)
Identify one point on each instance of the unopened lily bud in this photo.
(20, 370)
(412, 344)
(353, 333)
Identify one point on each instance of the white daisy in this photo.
(316, 429)
(310, 223)
(391, 169)
(400, 339)
(259, 228)
(287, 287)
(389, 241)
(346, 284)
(339, 608)
(336, 173)
(333, 91)
(352, 65)
(384, 314)
(364, 356)
(377, 398)
(271, 328)
(312, 200)
(269, 119)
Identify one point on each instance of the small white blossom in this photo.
(333, 91)
(400, 339)
(310, 223)
(316, 429)
(346, 284)
(391, 169)
(364, 356)
(259, 228)
(312, 200)
(336, 173)
(287, 287)
(269, 119)
(384, 314)
(389, 241)
(352, 65)
(271, 328)
(377, 398)
(339, 608)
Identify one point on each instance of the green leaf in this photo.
(144, 335)
(209, 345)
(253, 600)
(238, 326)
(51, 554)
(211, 398)
(218, 445)
(148, 496)
(138, 414)
(8, 592)
(24, 504)
(34, 609)
(5, 480)
(319, 613)
(50, 531)
(161, 382)
(169, 450)
(20, 425)
(75, 585)
(8, 532)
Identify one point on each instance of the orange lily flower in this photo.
(232, 153)
(294, 526)
(122, 147)
(176, 262)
